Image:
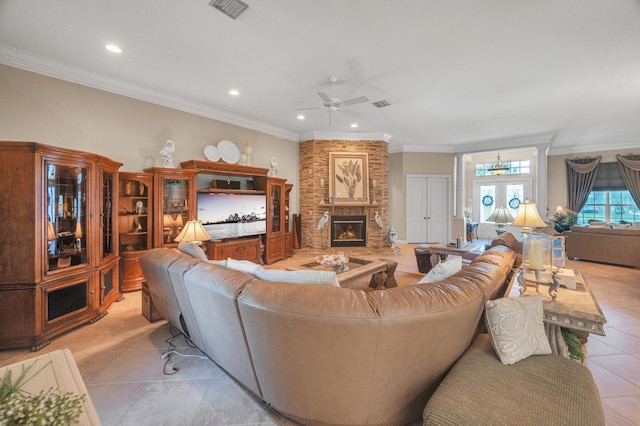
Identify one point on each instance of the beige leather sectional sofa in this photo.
(324, 355)
(616, 246)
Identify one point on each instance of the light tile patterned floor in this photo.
(119, 358)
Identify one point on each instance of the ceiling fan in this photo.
(334, 104)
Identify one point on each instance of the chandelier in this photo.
(499, 168)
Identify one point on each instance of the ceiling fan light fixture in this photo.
(499, 168)
(231, 8)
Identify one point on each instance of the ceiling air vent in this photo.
(231, 8)
(380, 104)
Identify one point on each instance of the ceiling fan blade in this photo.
(350, 113)
(304, 109)
(325, 98)
(354, 101)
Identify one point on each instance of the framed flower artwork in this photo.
(349, 177)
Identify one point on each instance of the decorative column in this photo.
(459, 185)
(541, 179)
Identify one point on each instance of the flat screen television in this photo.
(227, 216)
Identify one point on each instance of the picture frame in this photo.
(349, 177)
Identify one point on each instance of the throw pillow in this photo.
(620, 225)
(443, 270)
(245, 266)
(192, 249)
(598, 225)
(222, 263)
(299, 277)
(516, 328)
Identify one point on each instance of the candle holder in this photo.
(537, 266)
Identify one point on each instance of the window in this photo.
(492, 195)
(518, 167)
(609, 206)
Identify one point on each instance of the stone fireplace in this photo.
(349, 231)
(314, 196)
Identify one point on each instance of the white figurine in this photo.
(167, 154)
(323, 220)
(274, 167)
(378, 220)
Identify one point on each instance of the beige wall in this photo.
(411, 163)
(41, 109)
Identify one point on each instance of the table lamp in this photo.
(536, 248)
(193, 232)
(500, 216)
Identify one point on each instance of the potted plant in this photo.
(563, 221)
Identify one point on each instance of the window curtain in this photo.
(581, 174)
(630, 171)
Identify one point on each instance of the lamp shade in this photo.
(528, 217)
(51, 233)
(193, 231)
(500, 215)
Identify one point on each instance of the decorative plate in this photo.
(228, 151)
(211, 153)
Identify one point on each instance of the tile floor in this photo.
(120, 360)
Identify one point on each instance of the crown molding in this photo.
(345, 136)
(34, 63)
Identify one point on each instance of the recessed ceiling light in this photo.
(301, 117)
(113, 48)
(234, 92)
(354, 125)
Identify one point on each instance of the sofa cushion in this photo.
(541, 390)
(516, 328)
(443, 270)
(245, 266)
(192, 250)
(299, 277)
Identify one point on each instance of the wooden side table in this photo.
(577, 310)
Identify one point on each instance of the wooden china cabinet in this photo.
(59, 255)
(288, 235)
(174, 203)
(135, 225)
(274, 238)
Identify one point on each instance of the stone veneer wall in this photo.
(314, 165)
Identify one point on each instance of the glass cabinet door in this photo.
(175, 208)
(108, 236)
(66, 215)
(275, 202)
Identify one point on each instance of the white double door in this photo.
(428, 208)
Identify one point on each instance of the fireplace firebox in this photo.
(349, 231)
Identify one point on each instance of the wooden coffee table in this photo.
(380, 270)
(440, 251)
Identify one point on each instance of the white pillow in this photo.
(192, 249)
(516, 327)
(443, 270)
(598, 225)
(245, 266)
(222, 263)
(615, 225)
(299, 277)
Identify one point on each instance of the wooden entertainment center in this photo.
(278, 240)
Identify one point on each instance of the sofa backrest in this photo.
(213, 292)
(155, 266)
